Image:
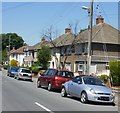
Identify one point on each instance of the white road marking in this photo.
(43, 107)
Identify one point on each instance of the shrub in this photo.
(5, 66)
(115, 72)
(104, 78)
(13, 63)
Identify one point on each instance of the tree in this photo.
(44, 56)
(11, 39)
(49, 35)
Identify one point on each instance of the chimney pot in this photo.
(99, 19)
(67, 30)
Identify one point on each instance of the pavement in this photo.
(19, 95)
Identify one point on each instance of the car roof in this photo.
(25, 68)
(60, 70)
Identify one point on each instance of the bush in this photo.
(13, 63)
(104, 78)
(115, 72)
(5, 66)
(35, 70)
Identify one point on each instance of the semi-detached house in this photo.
(104, 48)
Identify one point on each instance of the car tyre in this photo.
(38, 84)
(63, 92)
(18, 78)
(84, 98)
(49, 87)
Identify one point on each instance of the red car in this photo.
(53, 78)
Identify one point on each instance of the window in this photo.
(65, 74)
(51, 72)
(77, 79)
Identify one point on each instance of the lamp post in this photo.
(90, 11)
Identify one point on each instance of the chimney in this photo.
(43, 39)
(67, 30)
(99, 19)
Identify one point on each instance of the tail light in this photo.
(56, 78)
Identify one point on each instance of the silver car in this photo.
(88, 88)
(24, 73)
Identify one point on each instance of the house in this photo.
(72, 50)
(17, 55)
(30, 52)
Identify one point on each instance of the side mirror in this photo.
(79, 82)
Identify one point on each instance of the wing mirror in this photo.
(79, 82)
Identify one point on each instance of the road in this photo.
(18, 95)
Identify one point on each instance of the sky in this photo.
(31, 20)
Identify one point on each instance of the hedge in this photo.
(115, 72)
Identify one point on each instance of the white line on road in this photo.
(43, 107)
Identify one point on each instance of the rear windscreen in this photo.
(25, 71)
(65, 74)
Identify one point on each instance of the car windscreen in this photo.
(92, 81)
(25, 71)
(65, 74)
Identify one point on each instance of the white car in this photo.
(88, 88)
(23, 73)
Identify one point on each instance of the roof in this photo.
(65, 39)
(101, 33)
(18, 51)
(40, 44)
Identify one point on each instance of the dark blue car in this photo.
(12, 70)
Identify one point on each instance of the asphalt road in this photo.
(18, 95)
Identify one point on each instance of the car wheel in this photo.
(18, 78)
(83, 97)
(14, 77)
(38, 84)
(63, 92)
(49, 87)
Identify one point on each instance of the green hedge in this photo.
(115, 72)
(104, 78)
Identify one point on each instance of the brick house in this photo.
(104, 48)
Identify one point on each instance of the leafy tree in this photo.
(13, 63)
(44, 56)
(15, 41)
(115, 72)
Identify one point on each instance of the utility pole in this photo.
(90, 11)
(90, 39)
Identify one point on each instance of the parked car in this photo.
(53, 78)
(88, 88)
(24, 73)
(12, 70)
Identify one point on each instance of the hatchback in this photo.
(53, 78)
(12, 70)
(24, 73)
(88, 88)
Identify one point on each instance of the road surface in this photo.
(19, 95)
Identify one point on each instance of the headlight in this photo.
(112, 94)
(92, 91)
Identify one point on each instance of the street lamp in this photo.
(90, 11)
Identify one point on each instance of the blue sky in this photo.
(31, 19)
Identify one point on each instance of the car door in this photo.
(43, 78)
(75, 86)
